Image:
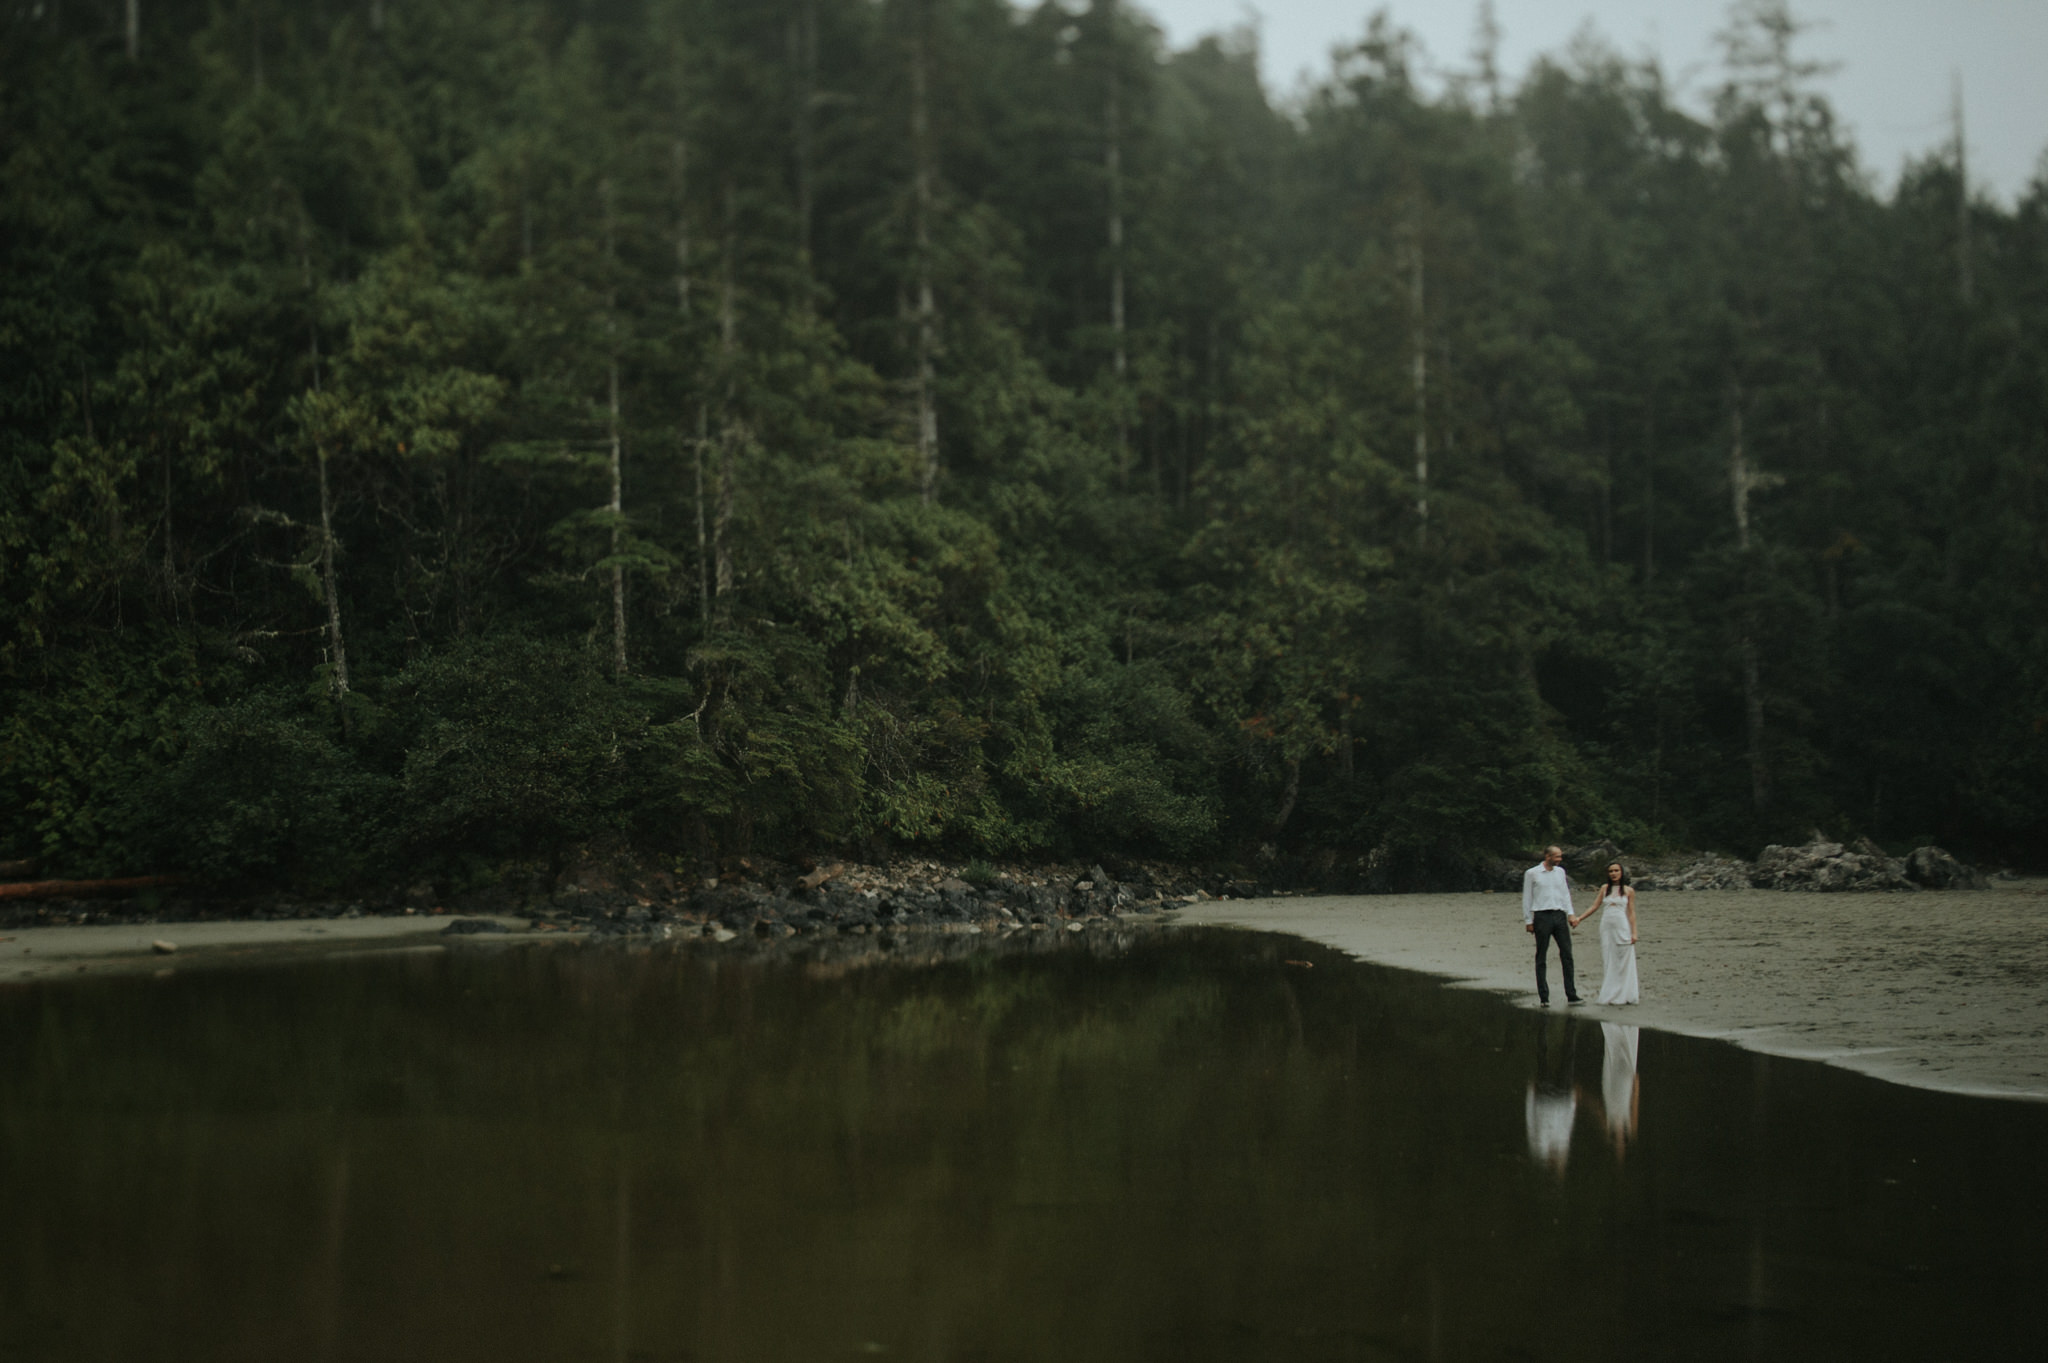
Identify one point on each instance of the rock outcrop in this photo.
(1935, 869)
(1709, 871)
(1827, 866)
(1587, 865)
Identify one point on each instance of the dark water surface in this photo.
(1186, 1149)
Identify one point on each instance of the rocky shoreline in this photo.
(857, 899)
(622, 896)
(1818, 866)
(619, 897)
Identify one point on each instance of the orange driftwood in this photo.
(72, 889)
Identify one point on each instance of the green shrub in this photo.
(262, 791)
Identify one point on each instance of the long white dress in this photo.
(1617, 953)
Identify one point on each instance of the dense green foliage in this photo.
(458, 431)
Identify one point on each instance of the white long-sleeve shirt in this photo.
(1545, 889)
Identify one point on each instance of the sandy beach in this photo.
(1940, 990)
(130, 948)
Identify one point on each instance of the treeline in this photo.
(442, 433)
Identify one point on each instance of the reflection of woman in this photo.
(1617, 936)
(1620, 1091)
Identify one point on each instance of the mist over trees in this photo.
(445, 433)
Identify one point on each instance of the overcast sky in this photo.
(1897, 58)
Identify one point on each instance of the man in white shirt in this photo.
(1546, 911)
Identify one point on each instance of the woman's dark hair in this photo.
(1624, 874)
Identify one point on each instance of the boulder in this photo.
(1709, 871)
(1937, 870)
(1587, 865)
(1503, 873)
(1826, 866)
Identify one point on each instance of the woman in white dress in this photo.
(1617, 936)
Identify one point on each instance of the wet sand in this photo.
(1944, 991)
(129, 948)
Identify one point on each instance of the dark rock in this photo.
(464, 927)
(1710, 871)
(1937, 870)
(1503, 874)
(1587, 865)
(1826, 866)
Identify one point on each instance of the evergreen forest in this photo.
(450, 433)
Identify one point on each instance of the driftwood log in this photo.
(77, 889)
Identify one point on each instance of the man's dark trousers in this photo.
(1552, 923)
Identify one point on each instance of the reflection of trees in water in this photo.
(1196, 1151)
(686, 1135)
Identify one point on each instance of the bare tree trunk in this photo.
(703, 559)
(618, 510)
(680, 154)
(1288, 795)
(803, 61)
(1753, 714)
(1649, 493)
(1741, 481)
(134, 29)
(330, 586)
(1963, 280)
(617, 504)
(1486, 36)
(1113, 165)
(170, 552)
(1113, 168)
(1606, 483)
(525, 212)
(920, 139)
(1419, 323)
(376, 16)
(729, 434)
(329, 578)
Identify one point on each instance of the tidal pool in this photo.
(1190, 1145)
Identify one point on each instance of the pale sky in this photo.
(1897, 59)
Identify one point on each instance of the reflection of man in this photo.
(1552, 1103)
(1546, 911)
(1549, 1115)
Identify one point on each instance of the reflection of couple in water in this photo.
(1552, 1104)
(1547, 913)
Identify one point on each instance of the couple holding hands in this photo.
(1547, 912)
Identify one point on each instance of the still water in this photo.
(1181, 1148)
